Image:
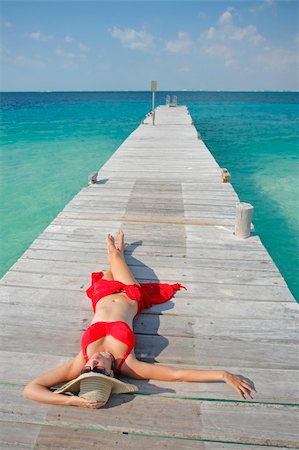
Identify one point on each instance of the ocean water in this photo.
(51, 142)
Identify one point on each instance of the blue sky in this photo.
(122, 45)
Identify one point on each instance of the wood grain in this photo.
(164, 188)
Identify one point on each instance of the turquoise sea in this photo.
(52, 141)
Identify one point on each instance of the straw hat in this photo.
(96, 387)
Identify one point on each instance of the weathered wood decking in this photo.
(164, 188)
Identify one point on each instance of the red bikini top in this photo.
(118, 329)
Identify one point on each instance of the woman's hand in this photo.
(74, 400)
(241, 386)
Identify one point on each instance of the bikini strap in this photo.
(122, 361)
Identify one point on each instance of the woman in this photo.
(108, 343)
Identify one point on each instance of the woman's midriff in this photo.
(116, 307)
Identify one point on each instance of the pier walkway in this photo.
(164, 188)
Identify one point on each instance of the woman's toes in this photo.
(110, 240)
(110, 244)
(120, 241)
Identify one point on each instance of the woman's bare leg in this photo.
(120, 270)
(108, 275)
(121, 247)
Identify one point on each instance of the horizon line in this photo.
(141, 90)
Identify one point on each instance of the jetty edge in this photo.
(165, 189)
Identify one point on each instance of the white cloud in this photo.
(182, 44)
(265, 4)
(224, 52)
(34, 61)
(226, 18)
(71, 59)
(250, 33)
(64, 53)
(4, 52)
(210, 34)
(38, 36)
(26, 61)
(228, 41)
(135, 40)
(227, 30)
(7, 24)
(69, 65)
(68, 40)
(202, 15)
(277, 59)
(76, 46)
(186, 68)
(241, 33)
(83, 48)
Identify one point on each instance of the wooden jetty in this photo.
(165, 189)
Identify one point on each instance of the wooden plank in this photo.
(204, 290)
(153, 253)
(140, 250)
(100, 260)
(220, 275)
(140, 195)
(177, 237)
(272, 385)
(210, 351)
(159, 239)
(165, 324)
(205, 219)
(52, 341)
(32, 364)
(193, 205)
(134, 208)
(250, 329)
(81, 439)
(73, 316)
(197, 419)
(40, 299)
(113, 185)
(28, 279)
(17, 435)
(143, 245)
(217, 352)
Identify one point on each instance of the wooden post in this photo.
(92, 179)
(153, 89)
(225, 175)
(244, 213)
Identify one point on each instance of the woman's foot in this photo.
(110, 243)
(120, 241)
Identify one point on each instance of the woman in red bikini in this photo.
(107, 345)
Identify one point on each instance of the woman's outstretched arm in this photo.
(39, 388)
(146, 371)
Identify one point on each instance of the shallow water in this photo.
(53, 141)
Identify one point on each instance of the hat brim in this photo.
(117, 386)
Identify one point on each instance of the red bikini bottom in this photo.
(145, 294)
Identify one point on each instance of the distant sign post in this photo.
(153, 89)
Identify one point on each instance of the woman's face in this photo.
(101, 360)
